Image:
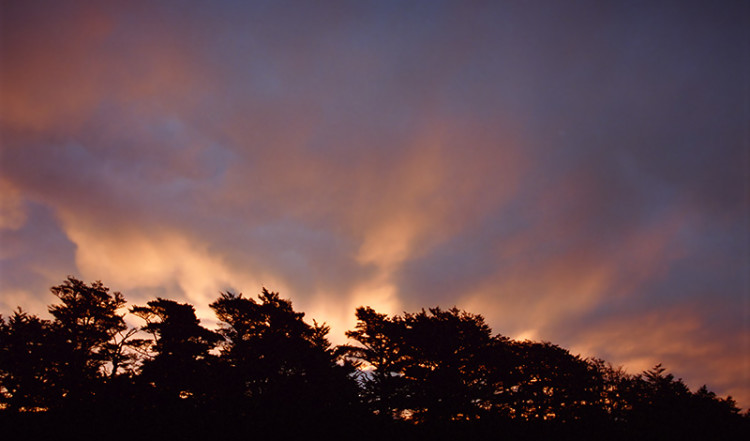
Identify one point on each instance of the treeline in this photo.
(266, 372)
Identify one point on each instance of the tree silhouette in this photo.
(381, 359)
(27, 356)
(448, 366)
(663, 407)
(278, 364)
(429, 366)
(440, 366)
(610, 390)
(179, 368)
(552, 383)
(88, 325)
(437, 374)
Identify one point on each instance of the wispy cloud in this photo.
(575, 173)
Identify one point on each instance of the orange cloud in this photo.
(674, 337)
(183, 154)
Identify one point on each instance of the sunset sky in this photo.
(575, 171)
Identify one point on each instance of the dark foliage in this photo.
(434, 374)
(277, 364)
(27, 363)
(177, 372)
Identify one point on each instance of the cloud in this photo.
(673, 336)
(12, 212)
(564, 171)
(33, 256)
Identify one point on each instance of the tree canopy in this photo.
(436, 373)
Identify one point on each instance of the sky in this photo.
(575, 172)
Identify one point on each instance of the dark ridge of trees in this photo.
(266, 372)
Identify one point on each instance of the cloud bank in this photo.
(574, 172)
